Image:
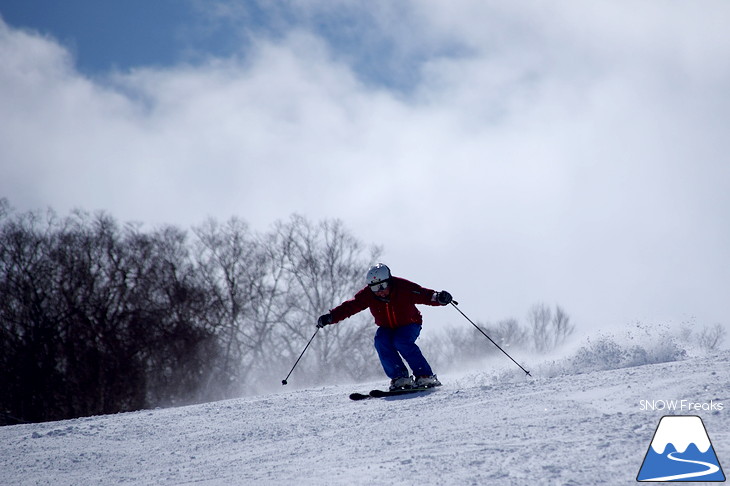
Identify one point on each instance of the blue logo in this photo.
(681, 451)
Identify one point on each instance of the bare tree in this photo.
(711, 337)
(510, 334)
(458, 345)
(232, 262)
(182, 345)
(29, 320)
(562, 329)
(323, 265)
(549, 330)
(5, 208)
(539, 317)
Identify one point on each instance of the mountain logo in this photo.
(681, 451)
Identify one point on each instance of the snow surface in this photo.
(484, 427)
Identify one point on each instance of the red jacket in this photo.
(398, 310)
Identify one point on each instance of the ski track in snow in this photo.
(578, 429)
(711, 469)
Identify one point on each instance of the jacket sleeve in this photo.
(350, 307)
(422, 295)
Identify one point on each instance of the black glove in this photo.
(443, 297)
(324, 320)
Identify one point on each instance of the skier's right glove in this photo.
(324, 320)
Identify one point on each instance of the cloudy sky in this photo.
(572, 153)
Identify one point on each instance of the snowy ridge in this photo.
(680, 431)
(481, 427)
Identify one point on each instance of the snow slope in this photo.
(487, 427)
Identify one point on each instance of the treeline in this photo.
(98, 317)
(545, 330)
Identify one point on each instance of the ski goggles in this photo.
(379, 286)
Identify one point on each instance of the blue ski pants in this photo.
(392, 343)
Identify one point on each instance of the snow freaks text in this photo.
(680, 405)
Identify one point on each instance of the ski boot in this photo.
(402, 383)
(427, 381)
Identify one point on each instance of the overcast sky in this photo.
(572, 153)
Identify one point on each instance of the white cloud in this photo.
(572, 154)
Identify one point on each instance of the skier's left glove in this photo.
(443, 297)
(324, 320)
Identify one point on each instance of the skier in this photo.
(392, 301)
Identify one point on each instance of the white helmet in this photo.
(377, 273)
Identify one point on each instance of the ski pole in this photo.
(284, 382)
(455, 304)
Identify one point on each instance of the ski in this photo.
(395, 393)
(359, 396)
(389, 393)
